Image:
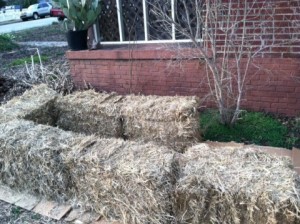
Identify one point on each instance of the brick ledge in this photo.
(142, 52)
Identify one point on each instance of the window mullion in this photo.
(96, 30)
(173, 19)
(146, 30)
(120, 20)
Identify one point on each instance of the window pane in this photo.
(188, 24)
(133, 19)
(108, 22)
(160, 27)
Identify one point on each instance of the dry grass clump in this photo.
(171, 121)
(91, 113)
(124, 180)
(35, 104)
(236, 185)
(57, 77)
(55, 74)
(30, 158)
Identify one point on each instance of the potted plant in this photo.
(81, 14)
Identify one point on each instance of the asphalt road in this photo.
(20, 25)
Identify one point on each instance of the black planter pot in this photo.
(77, 40)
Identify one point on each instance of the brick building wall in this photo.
(272, 85)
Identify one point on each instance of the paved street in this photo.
(26, 25)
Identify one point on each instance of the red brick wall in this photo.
(275, 89)
(272, 26)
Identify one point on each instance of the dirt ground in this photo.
(49, 33)
(13, 68)
(55, 32)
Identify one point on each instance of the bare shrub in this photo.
(55, 74)
(228, 36)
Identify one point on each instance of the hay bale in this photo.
(30, 158)
(91, 113)
(236, 185)
(170, 121)
(124, 180)
(35, 104)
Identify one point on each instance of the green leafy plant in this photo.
(81, 14)
(293, 139)
(7, 43)
(251, 128)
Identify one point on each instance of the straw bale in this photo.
(35, 104)
(236, 185)
(91, 113)
(124, 180)
(170, 121)
(30, 158)
(160, 108)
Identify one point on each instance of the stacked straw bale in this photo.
(124, 180)
(91, 113)
(36, 104)
(30, 158)
(170, 121)
(236, 185)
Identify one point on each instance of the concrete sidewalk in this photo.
(8, 28)
(44, 43)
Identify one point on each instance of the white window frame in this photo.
(146, 28)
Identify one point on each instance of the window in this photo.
(43, 5)
(128, 21)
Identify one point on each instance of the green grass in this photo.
(21, 61)
(251, 128)
(35, 216)
(16, 211)
(293, 139)
(6, 43)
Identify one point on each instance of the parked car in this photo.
(57, 12)
(36, 11)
